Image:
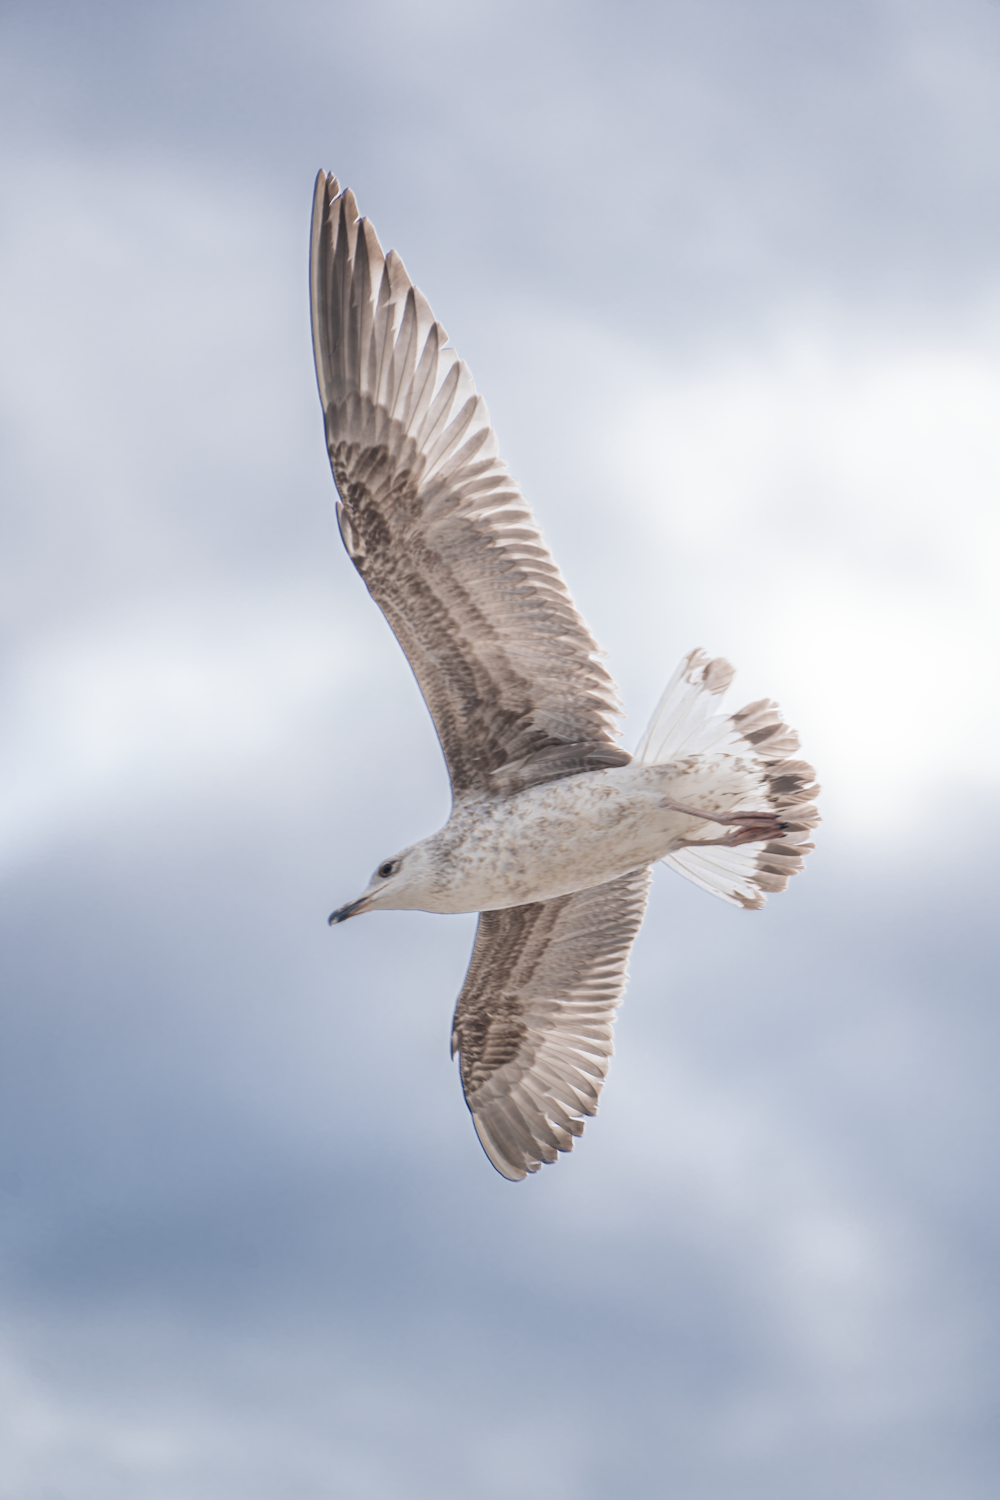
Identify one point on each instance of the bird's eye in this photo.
(387, 869)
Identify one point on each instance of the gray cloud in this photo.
(248, 1243)
(249, 1187)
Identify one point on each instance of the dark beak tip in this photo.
(343, 912)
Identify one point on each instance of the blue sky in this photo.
(727, 277)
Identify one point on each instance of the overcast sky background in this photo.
(728, 275)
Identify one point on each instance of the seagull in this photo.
(554, 828)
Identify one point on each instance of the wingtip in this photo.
(325, 188)
(512, 1171)
(505, 1169)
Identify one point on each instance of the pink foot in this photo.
(746, 827)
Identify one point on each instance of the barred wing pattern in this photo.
(533, 1022)
(439, 531)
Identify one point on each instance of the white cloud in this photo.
(830, 506)
(154, 702)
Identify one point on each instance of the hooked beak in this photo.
(352, 909)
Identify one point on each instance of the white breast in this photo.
(562, 837)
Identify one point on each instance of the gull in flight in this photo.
(554, 828)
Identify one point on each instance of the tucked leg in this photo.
(747, 834)
(748, 827)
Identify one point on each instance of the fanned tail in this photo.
(746, 756)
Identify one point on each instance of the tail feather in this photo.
(747, 755)
(684, 721)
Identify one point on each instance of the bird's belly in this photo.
(563, 837)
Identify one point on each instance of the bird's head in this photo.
(399, 884)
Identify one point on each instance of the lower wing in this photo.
(533, 1022)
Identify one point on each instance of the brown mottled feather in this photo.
(533, 1022)
(440, 532)
(749, 751)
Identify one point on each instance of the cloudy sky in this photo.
(728, 275)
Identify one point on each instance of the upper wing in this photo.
(533, 1021)
(439, 531)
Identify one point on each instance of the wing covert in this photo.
(533, 1023)
(439, 531)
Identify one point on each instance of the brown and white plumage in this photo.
(440, 532)
(533, 1022)
(554, 827)
(751, 752)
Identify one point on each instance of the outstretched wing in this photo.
(440, 532)
(533, 1022)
